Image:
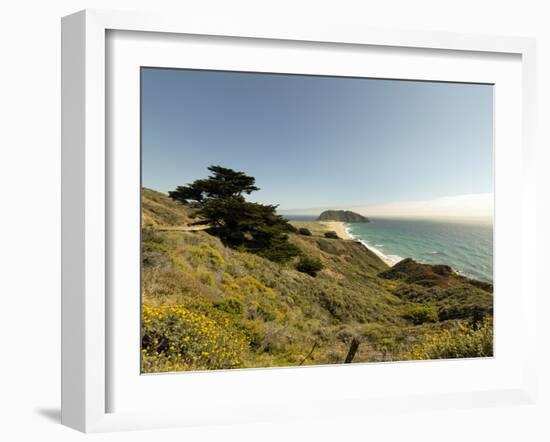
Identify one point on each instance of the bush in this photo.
(304, 231)
(459, 302)
(229, 305)
(309, 265)
(175, 339)
(331, 235)
(419, 314)
(279, 250)
(290, 228)
(474, 310)
(463, 341)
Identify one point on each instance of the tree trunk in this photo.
(352, 350)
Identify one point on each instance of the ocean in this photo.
(465, 246)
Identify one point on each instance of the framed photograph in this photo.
(263, 222)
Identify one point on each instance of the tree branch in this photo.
(310, 353)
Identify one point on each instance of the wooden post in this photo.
(352, 350)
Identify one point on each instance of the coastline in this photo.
(343, 231)
(437, 255)
(388, 260)
(339, 227)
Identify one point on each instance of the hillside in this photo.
(207, 306)
(346, 216)
(157, 210)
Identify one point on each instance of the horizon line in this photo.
(472, 205)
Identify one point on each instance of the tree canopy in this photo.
(221, 205)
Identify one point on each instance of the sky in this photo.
(389, 147)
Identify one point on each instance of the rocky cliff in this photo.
(346, 216)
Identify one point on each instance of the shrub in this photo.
(204, 253)
(175, 339)
(229, 305)
(459, 302)
(279, 250)
(254, 329)
(419, 314)
(304, 231)
(290, 228)
(309, 265)
(265, 313)
(331, 235)
(462, 341)
(466, 308)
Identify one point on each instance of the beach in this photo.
(338, 227)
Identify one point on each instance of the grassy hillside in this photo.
(157, 210)
(207, 306)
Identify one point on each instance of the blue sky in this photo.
(319, 142)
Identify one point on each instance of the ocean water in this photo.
(465, 246)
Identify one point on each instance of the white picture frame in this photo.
(86, 208)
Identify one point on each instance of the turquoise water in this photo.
(465, 246)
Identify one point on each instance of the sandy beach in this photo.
(338, 227)
(320, 227)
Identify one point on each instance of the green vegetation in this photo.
(331, 235)
(459, 341)
(309, 265)
(346, 216)
(419, 314)
(452, 295)
(304, 231)
(174, 339)
(220, 204)
(213, 304)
